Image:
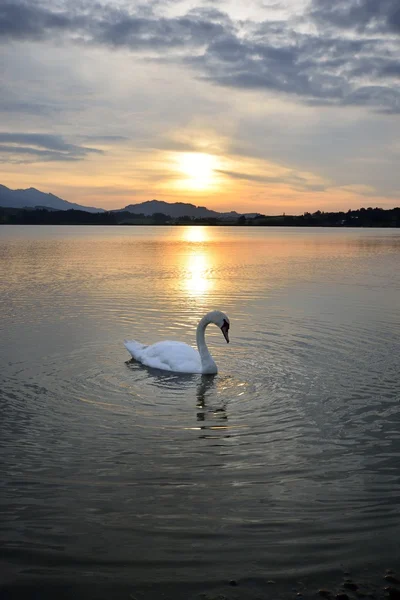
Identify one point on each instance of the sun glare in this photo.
(197, 281)
(198, 168)
(195, 233)
(197, 261)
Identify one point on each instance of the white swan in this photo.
(180, 357)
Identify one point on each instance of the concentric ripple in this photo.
(285, 463)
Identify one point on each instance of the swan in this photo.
(178, 356)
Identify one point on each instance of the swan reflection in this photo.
(210, 415)
(212, 419)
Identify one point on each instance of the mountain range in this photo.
(32, 198)
(176, 210)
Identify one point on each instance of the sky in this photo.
(260, 106)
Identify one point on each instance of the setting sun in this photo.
(198, 168)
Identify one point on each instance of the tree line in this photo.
(362, 217)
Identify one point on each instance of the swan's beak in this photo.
(224, 329)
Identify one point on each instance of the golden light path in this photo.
(195, 233)
(198, 281)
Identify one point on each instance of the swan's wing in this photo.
(171, 356)
(135, 349)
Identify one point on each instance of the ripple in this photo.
(287, 461)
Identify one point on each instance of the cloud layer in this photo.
(298, 101)
(348, 54)
(35, 147)
(363, 15)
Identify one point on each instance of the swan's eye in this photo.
(225, 325)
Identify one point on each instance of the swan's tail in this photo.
(134, 348)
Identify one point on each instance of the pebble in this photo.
(391, 578)
(350, 585)
(324, 593)
(271, 581)
(394, 593)
(233, 582)
(342, 596)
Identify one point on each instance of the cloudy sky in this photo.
(265, 105)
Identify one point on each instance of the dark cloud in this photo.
(137, 33)
(375, 95)
(376, 67)
(34, 147)
(361, 15)
(111, 25)
(106, 138)
(323, 68)
(24, 20)
(293, 179)
(8, 105)
(248, 176)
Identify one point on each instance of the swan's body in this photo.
(178, 356)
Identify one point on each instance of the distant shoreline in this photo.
(363, 217)
(205, 225)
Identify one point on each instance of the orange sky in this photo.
(235, 108)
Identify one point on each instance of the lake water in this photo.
(284, 467)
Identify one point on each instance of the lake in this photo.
(117, 479)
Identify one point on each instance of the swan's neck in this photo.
(207, 363)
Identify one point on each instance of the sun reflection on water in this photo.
(195, 233)
(198, 281)
(197, 264)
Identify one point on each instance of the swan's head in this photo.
(222, 321)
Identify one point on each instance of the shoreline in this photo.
(338, 585)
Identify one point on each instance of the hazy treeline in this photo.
(363, 217)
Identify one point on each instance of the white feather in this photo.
(177, 356)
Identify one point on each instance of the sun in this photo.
(197, 165)
(198, 168)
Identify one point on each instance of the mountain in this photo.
(32, 198)
(176, 210)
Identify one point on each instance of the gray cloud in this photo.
(375, 95)
(106, 139)
(321, 68)
(291, 178)
(34, 147)
(376, 15)
(22, 20)
(25, 107)
(248, 176)
(111, 25)
(137, 33)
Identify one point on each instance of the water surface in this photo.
(284, 465)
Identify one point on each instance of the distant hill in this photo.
(32, 198)
(363, 217)
(176, 210)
